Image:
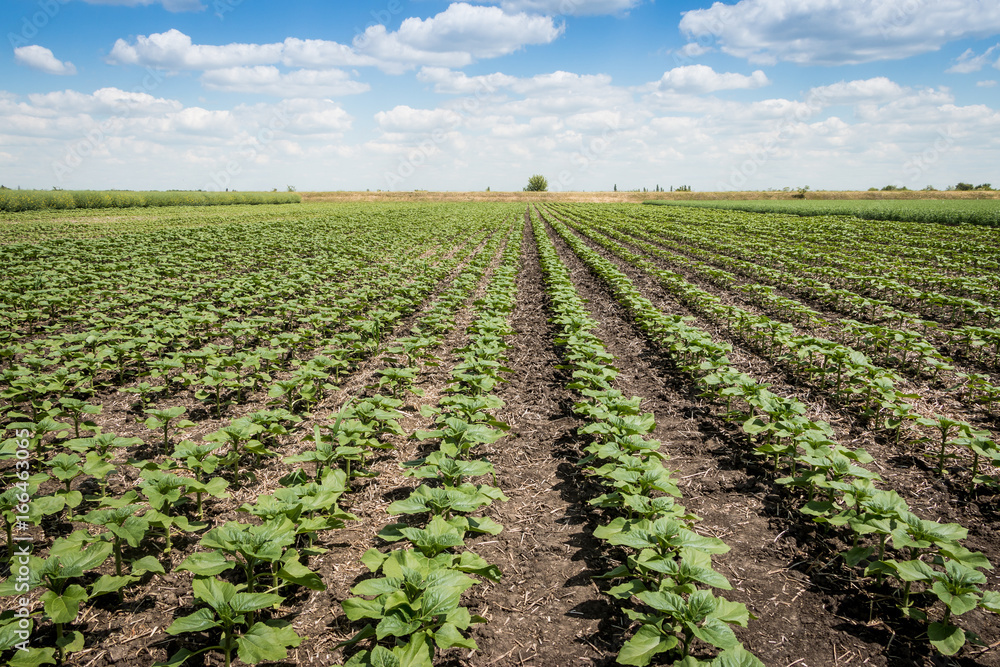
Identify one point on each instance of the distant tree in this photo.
(965, 186)
(616, 187)
(291, 188)
(984, 186)
(537, 183)
(487, 188)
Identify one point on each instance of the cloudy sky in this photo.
(427, 94)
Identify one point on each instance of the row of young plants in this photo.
(169, 503)
(920, 564)
(847, 373)
(668, 566)
(412, 607)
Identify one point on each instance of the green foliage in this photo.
(537, 183)
(35, 200)
(937, 211)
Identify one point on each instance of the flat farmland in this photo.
(498, 433)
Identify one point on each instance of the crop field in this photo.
(984, 211)
(549, 433)
(16, 201)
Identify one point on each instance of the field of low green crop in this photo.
(39, 200)
(497, 434)
(984, 212)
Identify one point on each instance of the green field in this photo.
(984, 212)
(40, 200)
(412, 433)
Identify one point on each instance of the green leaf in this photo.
(176, 659)
(857, 554)
(206, 564)
(737, 657)
(380, 656)
(732, 612)
(267, 641)
(717, 633)
(373, 559)
(357, 608)
(958, 604)
(296, 573)
(448, 636)
(33, 657)
(203, 619)
(64, 608)
(109, 584)
(72, 642)
(213, 591)
(913, 570)
(246, 602)
(380, 586)
(439, 600)
(396, 625)
(991, 601)
(418, 652)
(644, 645)
(145, 565)
(948, 639)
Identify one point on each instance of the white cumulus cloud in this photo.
(878, 89)
(839, 32)
(459, 83)
(969, 62)
(704, 79)
(456, 37)
(43, 60)
(405, 119)
(175, 51)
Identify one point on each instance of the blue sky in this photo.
(429, 94)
